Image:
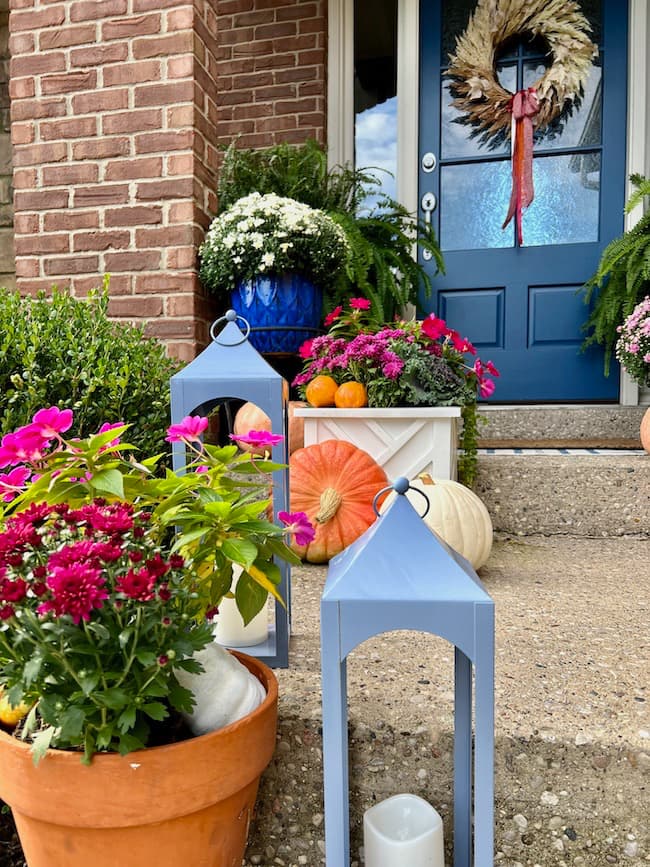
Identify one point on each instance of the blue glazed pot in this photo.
(286, 300)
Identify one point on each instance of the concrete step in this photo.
(598, 495)
(556, 426)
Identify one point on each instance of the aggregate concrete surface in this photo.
(572, 765)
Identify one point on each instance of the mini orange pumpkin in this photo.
(321, 391)
(334, 483)
(351, 395)
(251, 417)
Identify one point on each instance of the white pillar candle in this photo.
(230, 630)
(403, 831)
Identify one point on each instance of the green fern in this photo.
(622, 278)
(382, 234)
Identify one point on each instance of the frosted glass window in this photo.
(582, 128)
(474, 201)
(565, 209)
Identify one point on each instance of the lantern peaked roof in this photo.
(400, 559)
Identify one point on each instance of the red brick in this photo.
(37, 154)
(182, 212)
(102, 148)
(37, 64)
(140, 260)
(180, 117)
(248, 19)
(68, 128)
(162, 142)
(274, 124)
(148, 307)
(138, 215)
(278, 91)
(158, 191)
(162, 46)
(181, 67)
(72, 173)
(28, 267)
(21, 43)
(130, 28)
(184, 352)
(99, 55)
(134, 169)
(164, 328)
(302, 11)
(180, 164)
(39, 245)
(179, 258)
(36, 19)
(180, 19)
(120, 284)
(147, 5)
(100, 196)
(25, 179)
(84, 241)
(21, 88)
(87, 10)
(32, 109)
(69, 81)
(163, 94)
(58, 221)
(66, 265)
(167, 236)
(64, 37)
(100, 100)
(23, 133)
(164, 283)
(132, 121)
(132, 73)
(278, 30)
(26, 224)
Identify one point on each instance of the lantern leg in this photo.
(462, 759)
(335, 742)
(484, 741)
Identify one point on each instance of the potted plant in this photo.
(109, 577)
(273, 255)
(381, 233)
(633, 352)
(398, 389)
(622, 278)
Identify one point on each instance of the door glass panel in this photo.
(582, 128)
(474, 201)
(565, 209)
(375, 89)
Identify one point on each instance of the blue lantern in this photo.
(400, 575)
(230, 368)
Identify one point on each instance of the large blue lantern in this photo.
(228, 369)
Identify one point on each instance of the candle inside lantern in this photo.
(403, 831)
(230, 630)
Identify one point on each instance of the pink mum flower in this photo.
(188, 430)
(137, 585)
(52, 422)
(258, 438)
(359, 304)
(76, 591)
(299, 525)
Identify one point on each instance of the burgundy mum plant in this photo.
(110, 574)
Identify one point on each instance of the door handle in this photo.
(428, 205)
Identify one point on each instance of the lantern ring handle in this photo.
(400, 486)
(230, 316)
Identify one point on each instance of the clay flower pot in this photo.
(187, 803)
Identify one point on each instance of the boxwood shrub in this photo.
(57, 350)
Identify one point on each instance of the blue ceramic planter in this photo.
(285, 300)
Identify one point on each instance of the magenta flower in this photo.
(50, 423)
(110, 426)
(299, 525)
(76, 591)
(486, 387)
(333, 316)
(462, 344)
(491, 369)
(24, 444)
(258, 438)
(188, 430)
(12, 482)
(359, 304)
(433, 327)
(137, 584)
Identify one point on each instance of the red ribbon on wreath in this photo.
(523, 106)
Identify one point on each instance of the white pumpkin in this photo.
(456, 514)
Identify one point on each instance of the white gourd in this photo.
(457, 515)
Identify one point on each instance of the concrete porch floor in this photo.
(572, 768)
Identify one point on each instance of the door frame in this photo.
(340, 107)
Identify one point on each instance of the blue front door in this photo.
(517, 302)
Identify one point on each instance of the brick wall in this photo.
(271, 71)
(117, 110)
(7, 256)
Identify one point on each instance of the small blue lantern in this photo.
(400, 575)
(230, 368)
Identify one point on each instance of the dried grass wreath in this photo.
(477, 92)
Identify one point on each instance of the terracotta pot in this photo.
(188, 803)
(645, 431)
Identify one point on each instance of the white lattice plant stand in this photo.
(405, 441)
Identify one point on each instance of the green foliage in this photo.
(622, 278)
(381, 233)
(66, 352)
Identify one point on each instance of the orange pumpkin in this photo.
(251, 417)
(321, 391)
(351, 395)
(645, 431)
(334, 483)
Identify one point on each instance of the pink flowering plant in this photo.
(402, 364)
(633, 345)
(110, 574)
